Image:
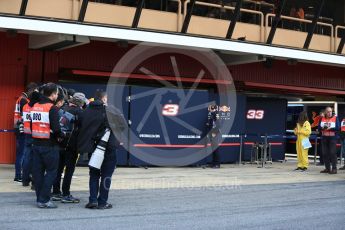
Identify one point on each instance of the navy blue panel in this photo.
(229, 150)
(274, 117)
(89, 91)
(151, 132)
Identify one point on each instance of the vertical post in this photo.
(188, 17)
(138, 13)
(234, 19)
(313, 25)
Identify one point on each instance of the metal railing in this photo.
(269, 18)
(255, 13)
(263, 21)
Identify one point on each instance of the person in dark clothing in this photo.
(19, 131)
(70, 114)
(214, 135)
(93, 123)
(46, 134)
(329, 127)
(27, 160)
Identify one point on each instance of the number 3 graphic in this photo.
(170, 110)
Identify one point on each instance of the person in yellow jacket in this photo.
(302, 130)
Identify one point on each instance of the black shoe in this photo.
(26, 184)
(91, 205)
(106, 206)
(333, 171)
(304, 169)
(296, 169)
(69, 199)
(342, 168)
(56, 197)
(16, 179)
(325, 171)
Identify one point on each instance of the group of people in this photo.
(330, 129)
(53, 126)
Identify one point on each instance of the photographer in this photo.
(329, 127)
(69, 114)
(93, 123)
(214, 135)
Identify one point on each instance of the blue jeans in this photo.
(27, 159)
(20, 139)
(44, 170)
(101, 187)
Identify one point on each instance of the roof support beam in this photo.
(23, 7)
(234, 19)
(276, 21)
(82, 11)
(138, 13)
(313, 24)
(188, 17)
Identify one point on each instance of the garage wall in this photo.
(13, 59)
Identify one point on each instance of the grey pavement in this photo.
(292, 205)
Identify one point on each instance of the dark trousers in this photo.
(215, 156)
(100, 180)
(215, 141)
(20, 140)
(45, 166)
(329, 151)
(68, 160)
(27, 159)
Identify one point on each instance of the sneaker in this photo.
(17, 179)
(91, 205)
(333, 171)
(106, 206)
(49, 204)
(325, 171)
(69, 199)
(56, 197)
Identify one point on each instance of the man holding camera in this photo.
(329, 126)
(93, 125)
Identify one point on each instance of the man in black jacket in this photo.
(93, 122)
(46, 134)
(214, 135)
(70, 114)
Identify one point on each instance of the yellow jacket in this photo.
(303, 131)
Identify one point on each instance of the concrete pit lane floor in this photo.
(232, 197)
